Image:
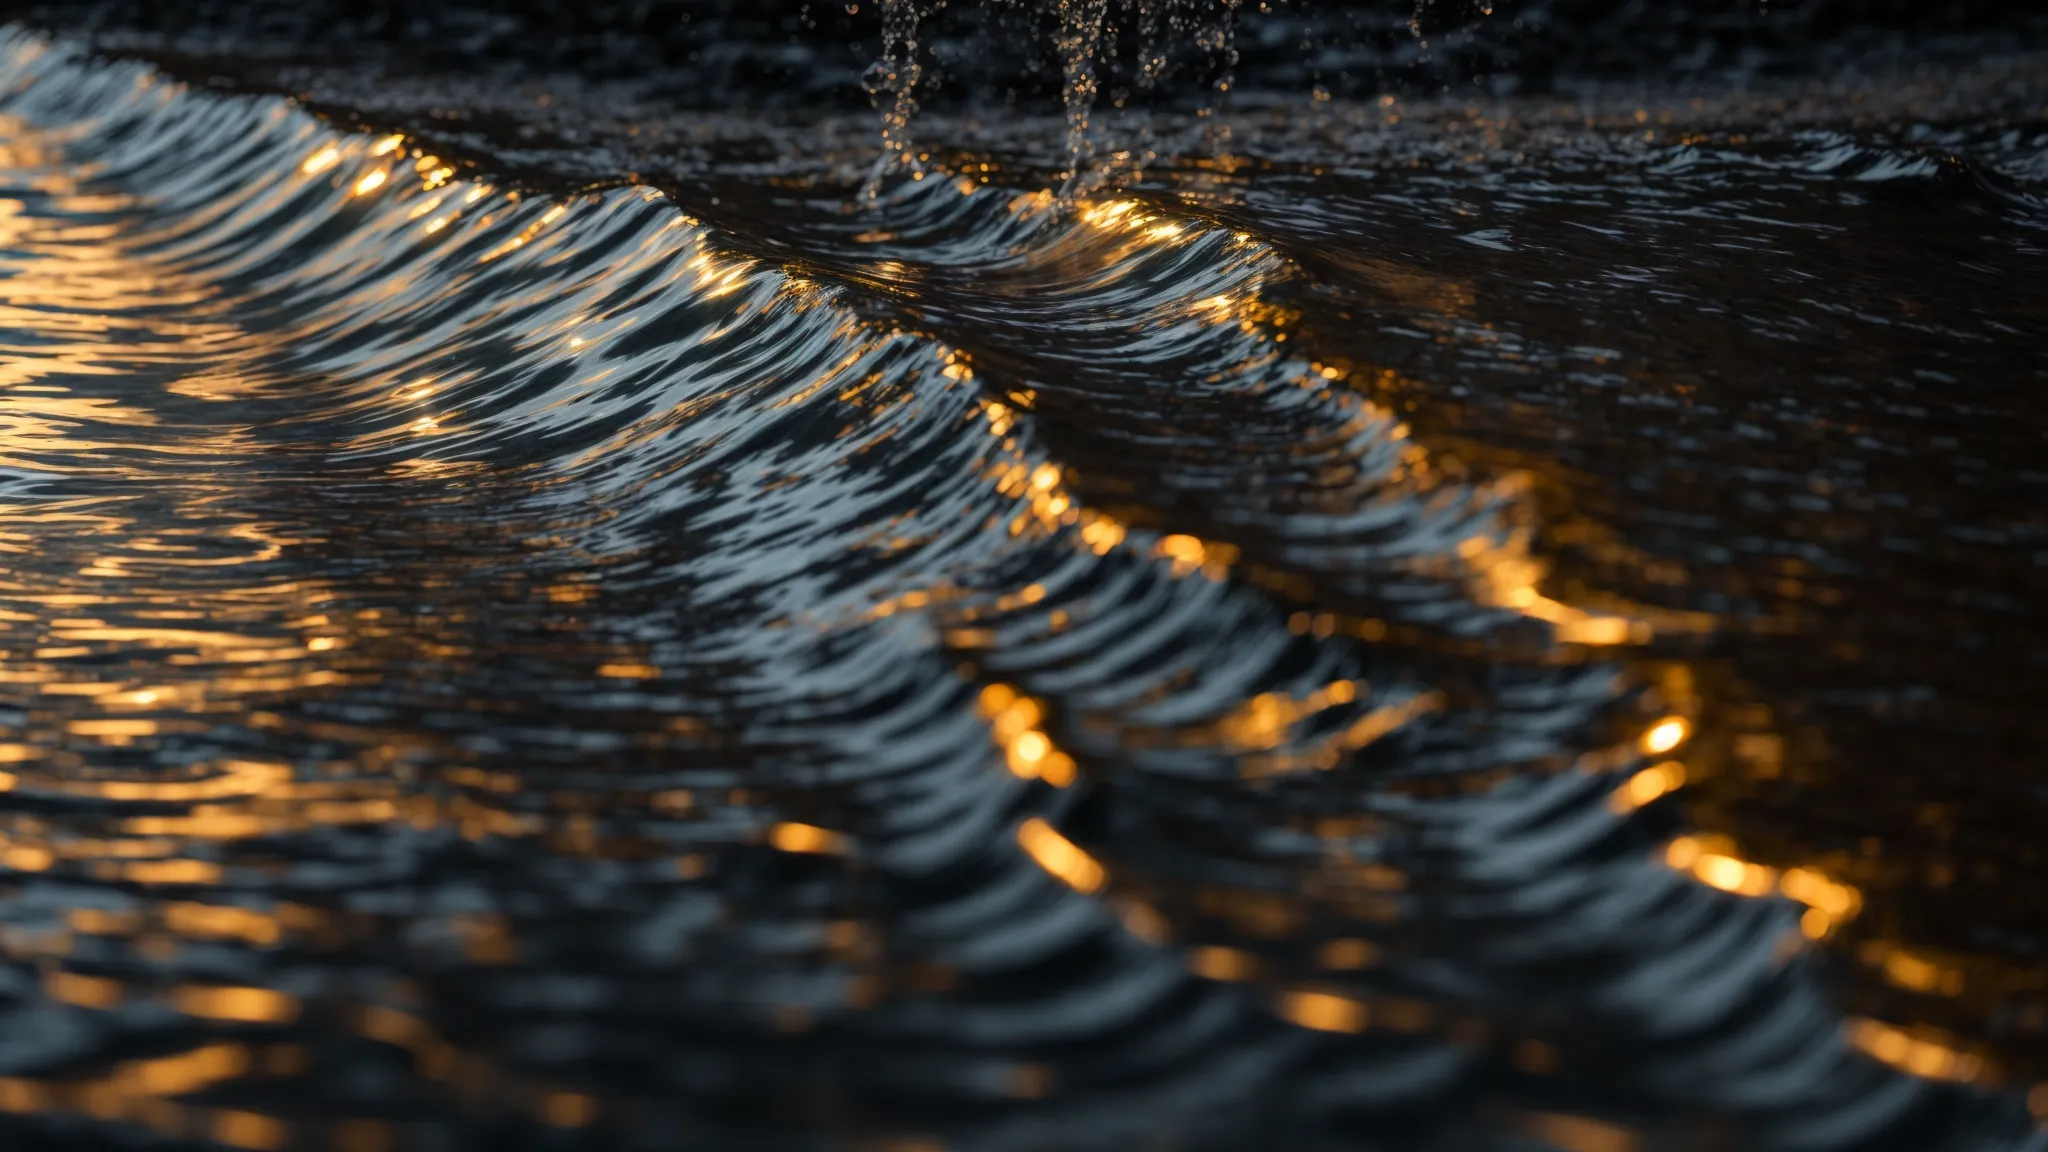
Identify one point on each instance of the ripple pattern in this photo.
(480, 668)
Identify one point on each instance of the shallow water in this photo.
(1514, 629)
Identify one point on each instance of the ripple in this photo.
(481, 661)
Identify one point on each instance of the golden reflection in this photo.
(236, 1005)
(147, 1091)
(806, 839)
(433, 174)
(1666, 735)
(187, 1072)
(1327, 751)
(1189, 554)
(81, 990)
(1922, 1052)
(1323, 1011)
(1914, 971)
(1015, 725)
(1499, 568)
(222, 780)
(175, 873)
(1106, 214)
(144, 643)
(1049, 506)
(250, 1130)
(1348, 955)
(1648, 785)
(1060, 856)
(1712, 861)
(525, 235)
(223, 922)
(1221, 964)
(1504, 574)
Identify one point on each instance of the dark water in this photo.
(1510, 628)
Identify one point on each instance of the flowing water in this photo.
(1449, 628)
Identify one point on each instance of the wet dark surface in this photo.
(530, 618)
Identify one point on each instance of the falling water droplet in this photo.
(1152, 58)
(896, 73)
(1080, 35)
(1222, 42)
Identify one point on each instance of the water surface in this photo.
(1497, 628)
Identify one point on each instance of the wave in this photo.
(481, 658)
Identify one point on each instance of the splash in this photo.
(1082, 39)
(894, 75)
(1079, 39)
(1221, 39)
(1152, 57)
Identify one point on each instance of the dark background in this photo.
(781, 53)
